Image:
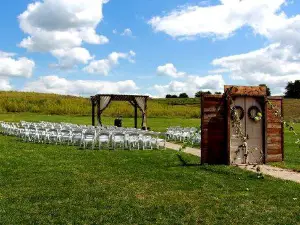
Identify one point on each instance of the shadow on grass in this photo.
(216, 169)
(185, 163)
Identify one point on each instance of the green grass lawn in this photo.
(291, 150)
(48, 184)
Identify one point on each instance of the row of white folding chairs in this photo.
(8, 128)
(73, 126)
(187, 134)
(125, 138)
(131, 140)
(65, 126)
(55, 125)
(92, 137)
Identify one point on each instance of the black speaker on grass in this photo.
(118, 122)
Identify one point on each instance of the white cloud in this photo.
(61, 25)
(5, 85)
(127, 32)
(90, 36)
(218, 20)
(70, 57)
(46, 41)
(11, 67)
(104, 66)
(6, 54)
(274, 65)
(273, 59)
(55, 84)
(191, 85)
(169, 70)
(54, 15)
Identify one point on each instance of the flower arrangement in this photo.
(255, 114)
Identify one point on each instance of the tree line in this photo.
(292, 90)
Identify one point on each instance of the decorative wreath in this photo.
(254, 113)
(239, 110)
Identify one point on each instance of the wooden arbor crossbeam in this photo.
(102, 101)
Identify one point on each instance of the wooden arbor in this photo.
(221, 144)
(102, 101)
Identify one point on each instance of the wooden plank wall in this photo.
(275, 130)
(213, 130)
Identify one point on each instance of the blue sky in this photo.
(84, 47)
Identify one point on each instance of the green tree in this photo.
(268, 89)
(293, 89)
(183, 95)
(171, 96)
(200, 93)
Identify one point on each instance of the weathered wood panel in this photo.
(274, 158)
(213, 130)
(274, 145)
(246, 90)
(236, 154)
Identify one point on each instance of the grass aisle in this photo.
(44, 184)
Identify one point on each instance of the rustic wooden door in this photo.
(252, 153)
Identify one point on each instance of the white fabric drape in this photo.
(102, 105)
(141, 102)
(104, 102)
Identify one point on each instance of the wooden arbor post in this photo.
(98, 111)
(135, 114)
(93, 110)
(144, 119)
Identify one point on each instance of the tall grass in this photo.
(53, 104)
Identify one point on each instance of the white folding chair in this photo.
(77, 137)
(104, 139)
(32, 133)
(118, 139)
(147, 140)
(52, 136)
(65, 136)
(133, 141)
(89, 136)
(41, 135)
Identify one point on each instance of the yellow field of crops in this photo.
(54, 104)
